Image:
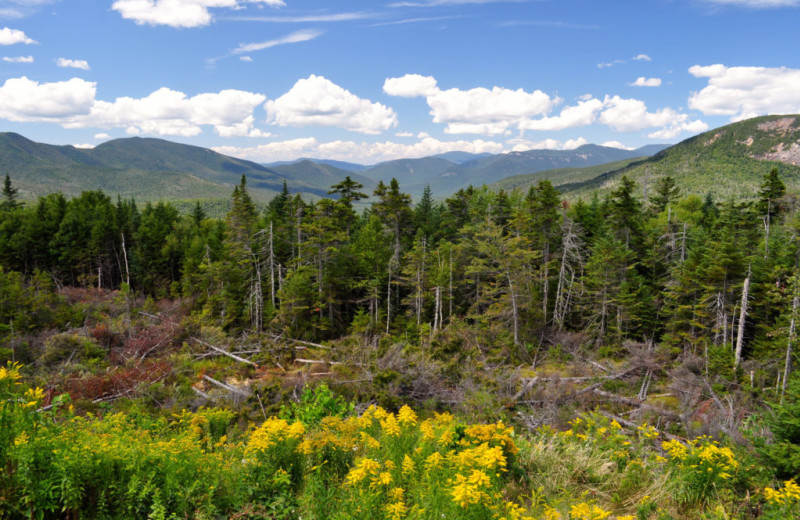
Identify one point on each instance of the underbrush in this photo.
(372, 465)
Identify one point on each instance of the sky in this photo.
(369, 81)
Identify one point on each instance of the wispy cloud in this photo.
(296, 37)
(545, 23)
(758, 4)
(312, 18)
(416, 20)
(13, 9)
(18, 59)
(437, 3)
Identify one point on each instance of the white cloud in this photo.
(315, 18)
(411, 85)
(500, 111)
(102, 135)
(295, 37)
(242, 129)
(363, 152)
(631, 115)
(170, 112)
(404, 134)
(18, 59)
(475, 111)
(84, 146)
(616, 144)
(480, 110)
(180, 13)
(75, 64)
(583, 114)
(13, 36)
(246, 58)
(758, 4)
(740, 92)
(73, 104)
(24, 100)
(675, 129)
(523, 145)
(317, 101)
(641, 81)
(642, 57)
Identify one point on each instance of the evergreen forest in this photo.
(490, 355)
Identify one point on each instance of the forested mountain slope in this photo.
(144, 168)
(727, 162)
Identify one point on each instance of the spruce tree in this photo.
(9, 201)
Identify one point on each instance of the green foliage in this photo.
(315, 403)
(783, 453)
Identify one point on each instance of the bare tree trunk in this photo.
(514, 309)
(389, 301)
(787, 366)
(125, 256)
(271, 267)
(437, 291)
(742, 320)
(546, 280)
(450, 293)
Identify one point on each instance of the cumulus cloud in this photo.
(404, 134)
(180, 13)
(499, 111)
(74, 64)
(102, 135)
(73, 104)
(475, 111)
(411, 85)
(641, 81)
(616, 144)
(642, 57)
(170, 112)
(582, 114)
(14, 36)
(742, 92)
(24, 100)
(523, 145)
(630, 115)
(18, 59)
(317, 101)
(363, 152)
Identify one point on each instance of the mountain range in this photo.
(154, 169)
(728, 162)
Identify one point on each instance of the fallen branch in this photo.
(229, 388)
(225, 352)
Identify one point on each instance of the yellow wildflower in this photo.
(396, 510)
(407, 416)
(391, 426)
(427, 431)
(363, 468)
(408, 465)
(21, 439)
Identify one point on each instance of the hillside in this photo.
(147, 169)
(727, 162)
(446, 176)
(561, 176)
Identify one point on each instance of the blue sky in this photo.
(367, 81)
